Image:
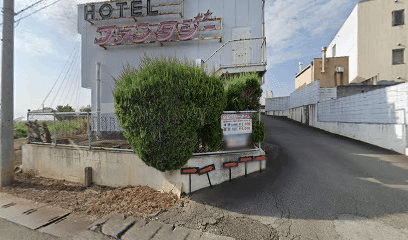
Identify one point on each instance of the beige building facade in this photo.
(375, 38)
(334, 73)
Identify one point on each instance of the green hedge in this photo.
(20, 130)
(164, 107)
(243, 92)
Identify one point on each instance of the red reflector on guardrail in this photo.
(260, 158)
(245, 159)
(207, 169)
(189, 170)
(230, 164)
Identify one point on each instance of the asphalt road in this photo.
(322, 186)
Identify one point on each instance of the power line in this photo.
(55, 83)
(26, 16)
(32, 5)
(65, 77)
(46, 6)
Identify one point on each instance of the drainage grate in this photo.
(56, 219)
(9, 205)
(29, 211)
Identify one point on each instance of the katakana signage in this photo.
(151, 32)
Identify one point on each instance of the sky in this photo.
(47, 48)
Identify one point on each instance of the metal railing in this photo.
(93, 131)
(238, 53)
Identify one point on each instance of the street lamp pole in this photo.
(7, 95)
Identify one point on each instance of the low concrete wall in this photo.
(389, 136)
(114, 168)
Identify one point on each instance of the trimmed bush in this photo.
(163, 107)
(211, 136)
(258, 129)
(243, 92)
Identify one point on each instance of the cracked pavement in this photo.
(322, 186)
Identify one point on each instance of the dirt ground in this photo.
(96, 201)
(137, 201)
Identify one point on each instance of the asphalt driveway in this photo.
(322, 178)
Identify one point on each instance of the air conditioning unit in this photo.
(340, 69)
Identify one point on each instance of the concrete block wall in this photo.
(277, 104)
(114, 168)
(310, 94)
(389, 136)
(327, 94)
(382, 106)
(378, 117)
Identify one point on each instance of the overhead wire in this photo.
(28, 7)
(69, 85)
(56, 81)
(46, 6)
(64, 79)
(74, 96)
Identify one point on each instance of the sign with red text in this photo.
(184, 30)
(233, 124)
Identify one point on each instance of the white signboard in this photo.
(233, 124)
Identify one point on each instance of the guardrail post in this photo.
(55, 131)
(259, 116)
(88, 127)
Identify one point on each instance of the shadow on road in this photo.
(317, 175)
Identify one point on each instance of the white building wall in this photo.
(238, 19)
(346, 41)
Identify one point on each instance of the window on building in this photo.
(397, 56)
(398, 17)
(334, 50)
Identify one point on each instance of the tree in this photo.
(86, 109)
(65, 108)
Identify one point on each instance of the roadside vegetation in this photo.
(166, 107)
(66, 125)
(169, 108)
(243, 92)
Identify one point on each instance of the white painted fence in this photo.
(379, 117)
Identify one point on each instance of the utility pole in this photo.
(7, 95)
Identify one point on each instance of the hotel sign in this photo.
(188, 29)
(140, 8)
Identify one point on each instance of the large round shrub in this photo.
(161, 108)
